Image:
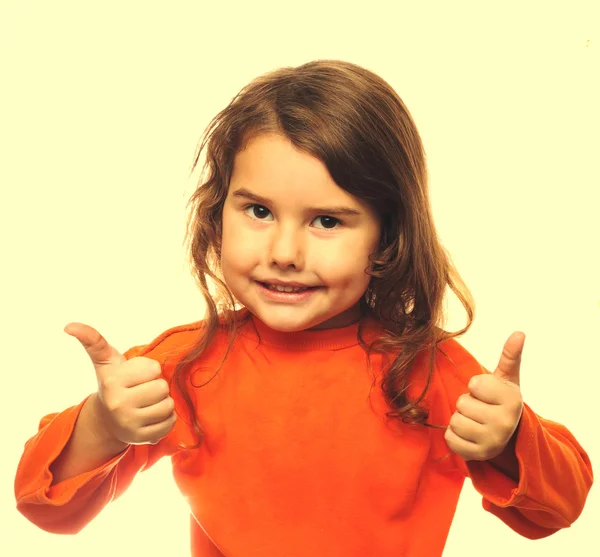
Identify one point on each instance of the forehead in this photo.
(272, 167)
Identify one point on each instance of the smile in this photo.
(286, 294)
(281, 288)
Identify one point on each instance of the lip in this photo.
(283, 283)
(289, 297)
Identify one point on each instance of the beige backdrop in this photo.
(101, 110)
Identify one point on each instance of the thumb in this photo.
(509, 367)
(100, 352)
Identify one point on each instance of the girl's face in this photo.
(279, 224)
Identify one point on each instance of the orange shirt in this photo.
(298, 460)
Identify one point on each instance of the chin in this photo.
(282, 323)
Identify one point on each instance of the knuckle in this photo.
(127, 421)
(159, 436)
(164, 385)
(155, 368)
(149, 367)
(480, 453)
(123, 423)
(490, 453)
(138, 437)
(499, 442)
(109, 381)
(502, 424)
(113, 404)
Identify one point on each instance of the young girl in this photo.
(321, 408)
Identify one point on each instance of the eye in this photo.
(329, 220)
(259, 211)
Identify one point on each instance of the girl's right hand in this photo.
(133, 399)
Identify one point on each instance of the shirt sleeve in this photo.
(555, 477)
(68, 506)
(555, 473)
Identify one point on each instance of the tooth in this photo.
(288, 289)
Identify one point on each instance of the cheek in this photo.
(344, 264)
(235, 240)
(233, 251)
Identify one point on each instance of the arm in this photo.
(555, 477)
(540, 482)
(88, 448)
(507, 462)
(67, 475)
(68, 505)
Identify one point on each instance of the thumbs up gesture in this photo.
(487, 417)
(134, 406)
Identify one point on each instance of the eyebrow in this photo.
(339, 210)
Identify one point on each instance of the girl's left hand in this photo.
(487, 417)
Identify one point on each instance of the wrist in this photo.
(98, 427)
(507, 462)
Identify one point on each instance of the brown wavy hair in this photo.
(357, 125)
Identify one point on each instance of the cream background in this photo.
(101, 108)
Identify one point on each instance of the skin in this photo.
(485, 423)
(283, 240)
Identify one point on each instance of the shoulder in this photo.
(454, 367)
(175, 342)
(176, 337)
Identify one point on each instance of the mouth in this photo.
(286, 289)
(270, 292)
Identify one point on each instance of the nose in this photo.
(287, 248)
